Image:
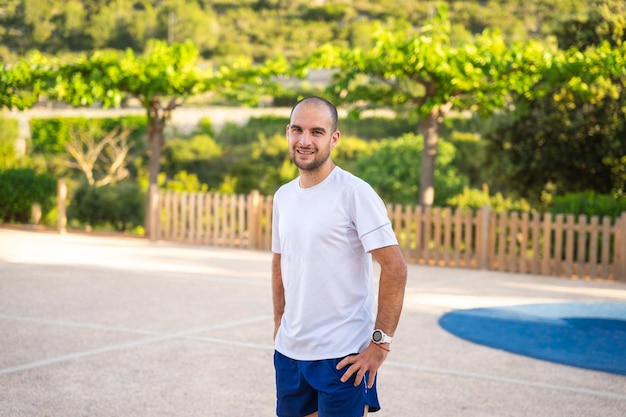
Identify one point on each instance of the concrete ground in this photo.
(108, 326)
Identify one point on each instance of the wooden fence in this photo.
(212, 219)
(561, 245)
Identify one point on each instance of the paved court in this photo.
(102, 326)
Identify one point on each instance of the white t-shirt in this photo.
(323, 234)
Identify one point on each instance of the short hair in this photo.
(319, 100)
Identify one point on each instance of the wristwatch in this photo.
(379, 337)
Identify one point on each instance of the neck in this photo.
(312, 178)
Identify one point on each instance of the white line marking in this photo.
(158, 338)
(80, 325)
(190, 335)
(504, 380)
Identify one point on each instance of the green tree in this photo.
(161, 78)
(604, 21)
(122, 24)
(179, 21)
(426, 74)
(567, 135)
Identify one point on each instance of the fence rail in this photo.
(563, 245)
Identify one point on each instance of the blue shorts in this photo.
(304, 387)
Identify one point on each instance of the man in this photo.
(327, 226)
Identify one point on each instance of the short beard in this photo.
(310, 166)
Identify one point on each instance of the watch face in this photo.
(377, 336)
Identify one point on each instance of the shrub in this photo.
(234, 134)
(9, 129)
(199, 155)
(394, 170)
(20, 188)
(588, 203)
(375, 128)
(8, 138)
(121, 206)
(350, 149)
(474, 199)
(205, 127)
(8, 157)
(263, 165)
(183, 181)
(470, 156)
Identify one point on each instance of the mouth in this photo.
(302, 152)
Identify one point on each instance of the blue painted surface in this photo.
(589, 335)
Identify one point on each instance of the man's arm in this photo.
(278, 292)
(393, 275)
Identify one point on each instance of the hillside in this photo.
(222, 29)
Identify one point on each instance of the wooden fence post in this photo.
(620, 249)
(483, 238)
(61, 202)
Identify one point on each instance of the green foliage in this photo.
(50, 135)
(161, 79)
(8, 138)
(290, 93)
(568, 136)
(255, 156)
(234, 134)
(199, 154)
(20, 188)
(206, 127)
(475, 199)
(425, 71)
(393, 170)
(225, 28)
(20, 84)
(183, 181)
(120, 206)
(375, 128)
(163, 72)
(588, 203)
(347, 153)
(605, 21)
(262, 165)
(469, 157)
(9, 129)
(8, 159)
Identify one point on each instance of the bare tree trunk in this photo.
(156, 139)
(157, 116)
(430, 127)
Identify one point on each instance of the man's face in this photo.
(310, 136)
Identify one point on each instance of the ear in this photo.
(334, 139)
(287, 132)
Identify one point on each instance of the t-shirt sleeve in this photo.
(370, 218)
(379, 238)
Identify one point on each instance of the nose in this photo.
(305, 139)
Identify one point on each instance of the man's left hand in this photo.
(367, 361)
